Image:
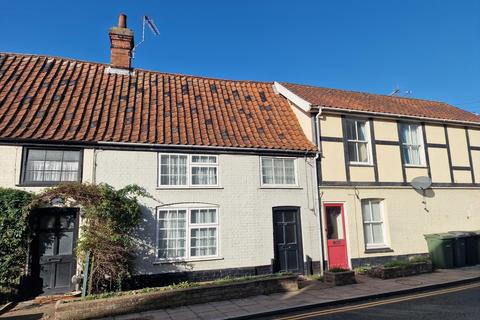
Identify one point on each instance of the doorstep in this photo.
(313, 295)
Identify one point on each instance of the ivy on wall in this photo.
(14, 209)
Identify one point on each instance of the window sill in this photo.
(188, 188)
(44, 184)
(378, 250)
(415, 166)
(160, 262)
(281, 187)
(355, 164)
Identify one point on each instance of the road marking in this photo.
(378, 303)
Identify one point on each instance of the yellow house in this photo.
(376, 154)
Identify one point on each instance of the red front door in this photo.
(336, 243)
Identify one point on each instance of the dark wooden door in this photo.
(287, 240)
(56, 232)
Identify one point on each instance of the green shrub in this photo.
(14, 209)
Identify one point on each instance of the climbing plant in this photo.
(14, 209)
(109, 220)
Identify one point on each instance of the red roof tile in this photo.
(46, 98)
(375, 103)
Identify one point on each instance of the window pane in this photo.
(36, 155)
(54, 155)
(203, 241)
(334, 223)
(71, 156)
(367, 229)
(376, 214)
(377, 233)
(351, 132)
(361, 129)
(65, 243)
(173, 170)
(278, 171)
(204, 175)
(289, 171)
(366, 214)
(171, 234)
(352, 151)
(204, 159)
(362, 152)
(203, 216)
(404, 136)
(267, 171)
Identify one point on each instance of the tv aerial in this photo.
(146, 21)
(422, 183)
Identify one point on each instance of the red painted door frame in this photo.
(337, 248)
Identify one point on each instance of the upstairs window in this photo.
(44, 166)
(180, 170)
(358, 141)
(411, 138)
(278, 172)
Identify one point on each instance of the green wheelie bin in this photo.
(440, 247)
(459, 248)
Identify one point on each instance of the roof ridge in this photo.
(139, 69)
(369, 93)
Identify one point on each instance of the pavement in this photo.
(313, 294)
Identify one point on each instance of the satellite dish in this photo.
(421, 183)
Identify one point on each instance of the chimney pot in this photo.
(122, 21)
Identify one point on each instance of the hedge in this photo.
(14, 209)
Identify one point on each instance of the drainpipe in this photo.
(317, 192)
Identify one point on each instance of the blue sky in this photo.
(431, 48)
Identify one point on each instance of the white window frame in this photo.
(381, 203)
(190, 165)
(189, 226)
(368, 140)
(421, 146)
(275, 185)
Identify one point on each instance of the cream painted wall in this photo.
(412, 173)
(457, 139)
(435, 134)
(333, 161)
(9, 170)
(363, 174)
(389, 163)
(245, 208)
(385, 130)
(406, 220)
(476, 165)
(439, 166)
(305, 121)
(462, 176)
(331, 126)
(474, 136)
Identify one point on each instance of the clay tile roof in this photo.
(49, 98)
(366, 102)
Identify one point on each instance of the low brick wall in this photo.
(129, 303)
(340, 278)
(403, 271)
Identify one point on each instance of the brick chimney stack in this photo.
(121, 44)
